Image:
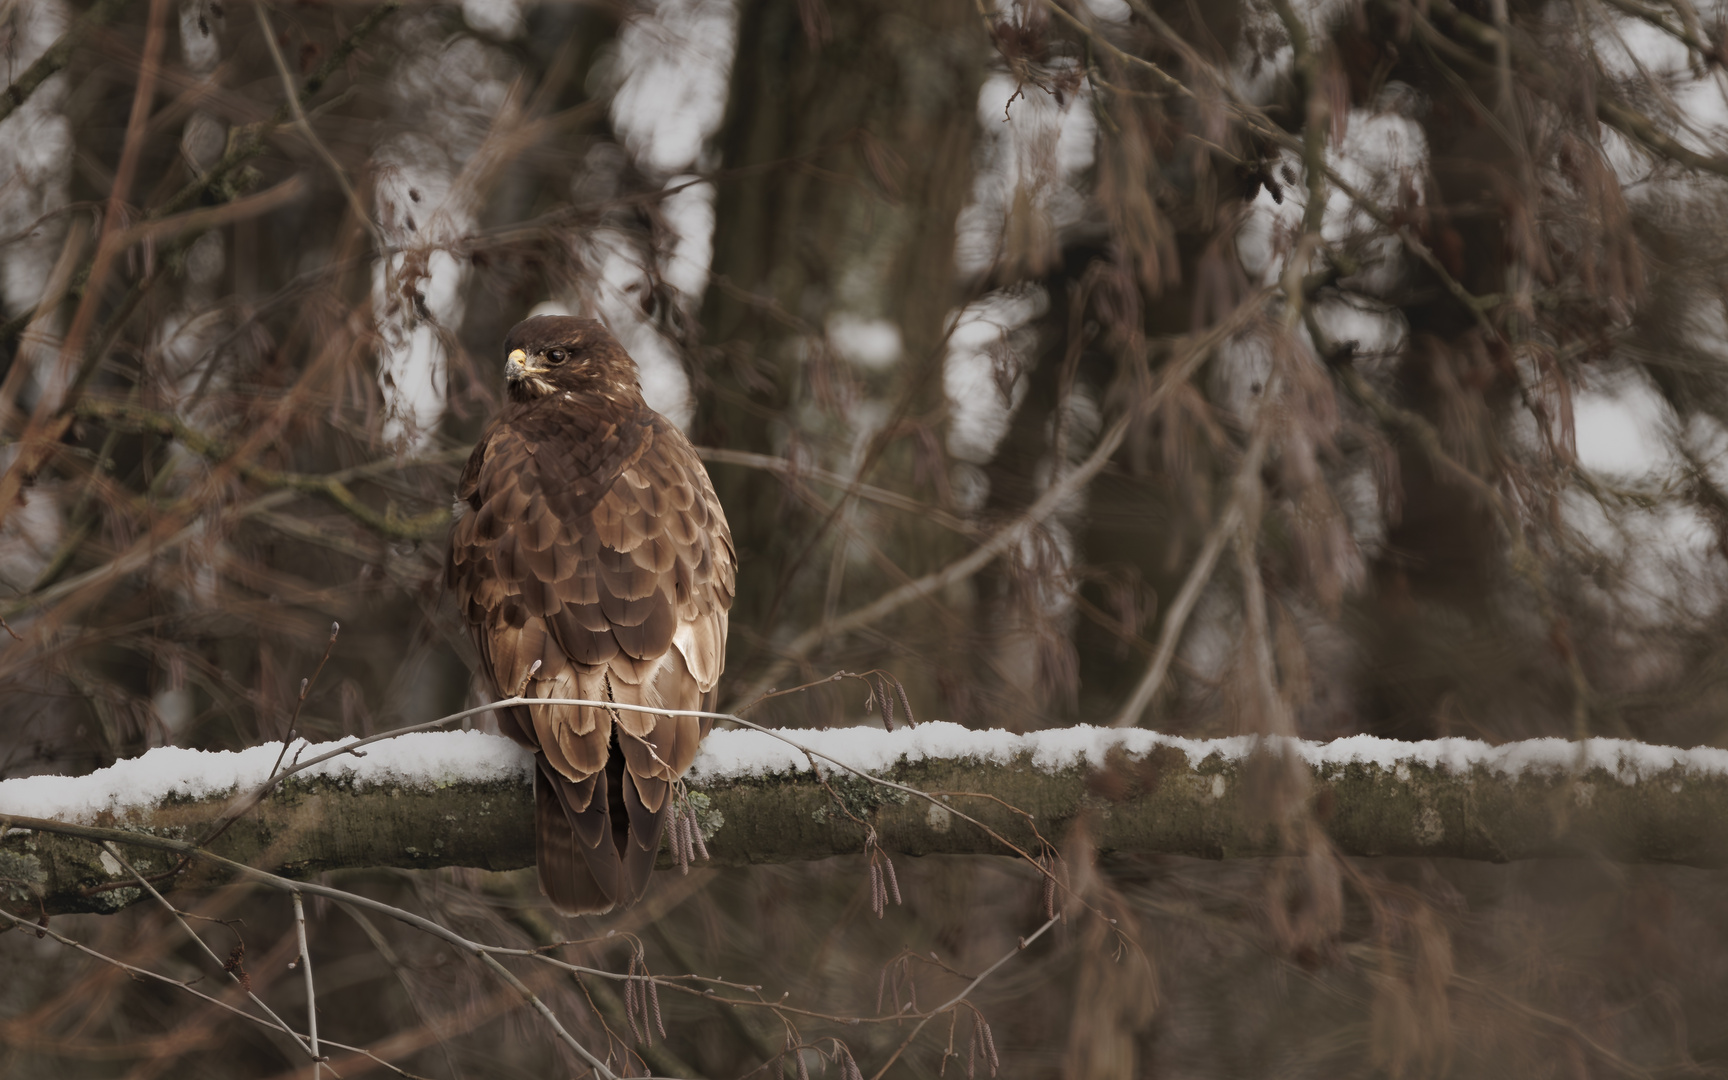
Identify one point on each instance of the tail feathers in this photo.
(643, 843)
(595, 840)
(565, 863)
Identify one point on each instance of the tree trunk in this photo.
(848, 151)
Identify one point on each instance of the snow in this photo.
(424, 758)
(734, 754)
(439, 758)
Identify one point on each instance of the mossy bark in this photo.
(1156, 805)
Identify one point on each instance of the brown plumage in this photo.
(592, 542)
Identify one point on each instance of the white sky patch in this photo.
(501, 19)
(664, 383)
(981, 358)
(675, 60)
(665, 386)
(188, 334)
(1631, 164)
(446, 95)
(1031, 148)
(870, 343)
(1382, 151)
(1663, 552)
(412, 362)
(1360, 497)
(35, 179)
(35, 153)
(190, 331)
(1375, 332)
(689, 213)
(32, 532)
(1708, 441)
(1256, 77)
(1116, 11)
(1212, 636)
(1263, 238)
(1110, 11)
(1625, 43)
(1384, 154)
(1622, 429)
(1238, 378)
(1318, 15)
(672, 67)
(1666, 558)
(430, 759)
(205, 135)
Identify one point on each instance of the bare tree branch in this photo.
(57, 57)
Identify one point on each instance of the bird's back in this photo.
(593, 543)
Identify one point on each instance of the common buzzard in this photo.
(592, 543)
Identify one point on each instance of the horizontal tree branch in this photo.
(1140, 793)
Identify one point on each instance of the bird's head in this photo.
(552, 353)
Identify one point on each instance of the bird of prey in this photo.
(592, 542)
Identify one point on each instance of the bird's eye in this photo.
(557, 356)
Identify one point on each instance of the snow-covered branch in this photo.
(464, 799)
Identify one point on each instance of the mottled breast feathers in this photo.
(592, 542)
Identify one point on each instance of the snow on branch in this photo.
(465, 799)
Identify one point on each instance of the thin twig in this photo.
(149, 548)
(1229, 523)
(146, 973)
(292, 97)
(1622, 118)
(73, 365)
(1190, 354)
(793, 472)
(311, 996)
(330, 486)
(675, 983)
(277, 1021)
(282, 884)
(1686, 35)
(961, 996)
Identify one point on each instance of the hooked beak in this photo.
(516, 366)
